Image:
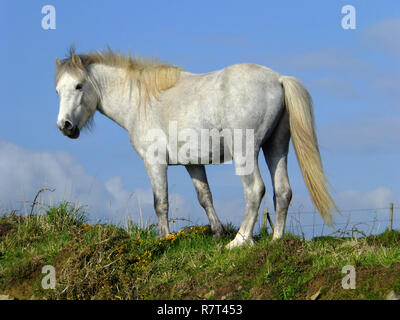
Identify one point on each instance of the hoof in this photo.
(277, 236)
(239, 241)
(218, 232)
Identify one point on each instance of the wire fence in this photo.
(353, 222)
(307, 224)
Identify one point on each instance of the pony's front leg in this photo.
(158, 177)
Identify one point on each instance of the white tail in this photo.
(302, 129)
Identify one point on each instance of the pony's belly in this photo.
(212, 149)
(203, 159)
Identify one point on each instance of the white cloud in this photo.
(116, 190)
(349, 200)
(360, 134)
(338, 61)
(388, 83)
(366, 210)
(385, 36)
(379, 197)
(24, 172)
(334, 87)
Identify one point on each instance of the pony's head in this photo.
(80, 93)
(78, 97)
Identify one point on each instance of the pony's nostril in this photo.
(67, 125)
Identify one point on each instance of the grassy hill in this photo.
(108, 262)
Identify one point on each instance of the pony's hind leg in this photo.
(199, 178)
(158, 178)
(275, 152)
(254, 190)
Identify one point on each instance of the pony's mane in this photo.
(151, 75)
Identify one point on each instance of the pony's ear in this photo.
(58, 63)
(76, 60)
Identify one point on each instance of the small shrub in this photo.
(64, 216)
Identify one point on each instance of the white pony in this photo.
(247, 100)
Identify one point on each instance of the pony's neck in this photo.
(116, 96)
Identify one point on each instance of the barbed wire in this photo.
(341, 211)
(342, 223)
(347, 221)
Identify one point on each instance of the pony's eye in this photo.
(78, 86)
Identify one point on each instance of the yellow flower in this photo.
(170, 236)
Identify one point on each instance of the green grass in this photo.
(109, 262)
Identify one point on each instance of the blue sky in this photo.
(352, 75)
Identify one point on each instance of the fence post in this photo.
(270, 221)
(264, 224)
(391, 217)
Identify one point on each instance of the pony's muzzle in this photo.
(69, 130)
